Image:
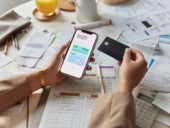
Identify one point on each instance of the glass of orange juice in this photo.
(47, 7)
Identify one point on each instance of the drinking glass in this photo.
(47, 7)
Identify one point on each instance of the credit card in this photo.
(113, 48)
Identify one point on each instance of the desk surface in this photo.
(26, 10)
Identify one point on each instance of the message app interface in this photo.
(78, 53)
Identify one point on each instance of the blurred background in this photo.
(5, 5)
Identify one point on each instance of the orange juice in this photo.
(47, 7)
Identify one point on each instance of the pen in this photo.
(151, 63)
(90, 74)
(13, 41)
(106, 67)
(94, 24)
(16, 41)
(101, 80)
(147, 33)
(6, 47)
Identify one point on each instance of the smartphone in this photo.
(78, 53)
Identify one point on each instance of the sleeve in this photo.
(114, 111)
(12, 90)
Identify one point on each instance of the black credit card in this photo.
(113, 48)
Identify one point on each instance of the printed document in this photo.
(72, 101)
(135, 8)
(65, 35)
(157, 77)
(139, 19)
(146, 26)
(37, 44)
(67, 109)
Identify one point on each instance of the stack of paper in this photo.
(35, 47)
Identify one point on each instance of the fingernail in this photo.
(127, 50)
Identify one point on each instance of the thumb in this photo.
(62, 49)
(127, 54)
(55, 60)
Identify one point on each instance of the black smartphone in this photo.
(78, 53)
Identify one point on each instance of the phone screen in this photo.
(78, 53)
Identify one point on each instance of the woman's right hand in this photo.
(132, 70)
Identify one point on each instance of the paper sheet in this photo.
(134, 8)
(4, 73)
(132, 17)
(152, 42)
(36, 45)
(109, 74)
(164, 47)
(108, 30)
(64, 36)
(67, 109)
(146, 26)
(162, 100)
(88, 83)
(157, 77)
(4, 60)
(27, 62)
(163, 117)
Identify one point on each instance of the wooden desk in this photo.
(25, 10)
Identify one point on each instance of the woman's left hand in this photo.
(51, 71)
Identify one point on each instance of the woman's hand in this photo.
(132, 70)
(51, 71)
